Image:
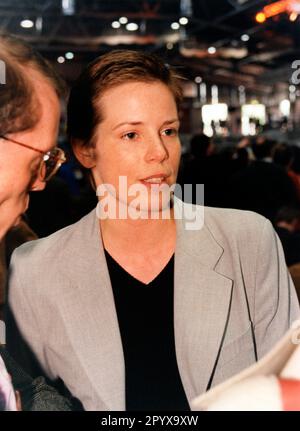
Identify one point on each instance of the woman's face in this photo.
(138, 139)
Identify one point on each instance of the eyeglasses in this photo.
(50, 163)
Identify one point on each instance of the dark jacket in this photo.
(35, 394)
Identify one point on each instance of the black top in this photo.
(145, 315)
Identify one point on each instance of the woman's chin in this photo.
(151, 209)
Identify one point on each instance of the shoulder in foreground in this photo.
(243, 227)
(239, 229)
(229, 221)
(234, 216)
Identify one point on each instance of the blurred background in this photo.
(237, 55)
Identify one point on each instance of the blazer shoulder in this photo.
(233, 217)
(235, 225)
(56, 244)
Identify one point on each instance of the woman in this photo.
(139, 308)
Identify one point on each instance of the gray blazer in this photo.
(233, 299)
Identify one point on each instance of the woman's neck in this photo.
(138, 235)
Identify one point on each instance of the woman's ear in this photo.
(84, 154)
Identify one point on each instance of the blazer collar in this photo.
(194, 237)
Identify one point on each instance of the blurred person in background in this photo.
(283, 155)
(287, 223)
(287, 226)
(263, 186)
(204, 167)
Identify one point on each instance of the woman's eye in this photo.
(170, 132)
(130, 135)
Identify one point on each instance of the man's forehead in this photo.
(40, 84)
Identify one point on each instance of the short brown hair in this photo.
(107, 71)
(18, 103)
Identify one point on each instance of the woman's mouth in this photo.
(156, 179)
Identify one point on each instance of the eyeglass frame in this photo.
(62, 157)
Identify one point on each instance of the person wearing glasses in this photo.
(29, 118)
(147, 301)
(27, 147)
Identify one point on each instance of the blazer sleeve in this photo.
(23, 337)
(276, 304)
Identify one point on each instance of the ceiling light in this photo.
(260, 17)
(293, 16)
(212, 50)
(186, 7)
(61, 59)
(183, 20)
(26, 23)
(132, 26)
(285, 107)
(68, 7)
(245, 37)
(198, 79)
(123, 20)
(115, 24)
(175, 25)
(69, 55)
(39, 23)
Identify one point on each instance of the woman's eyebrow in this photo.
(174, 120)
(137, 123)
(130, 123)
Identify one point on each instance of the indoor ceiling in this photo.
(222, 42)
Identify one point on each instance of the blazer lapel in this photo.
(202, 299)
(90, 316)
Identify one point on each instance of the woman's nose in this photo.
(157, 150)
